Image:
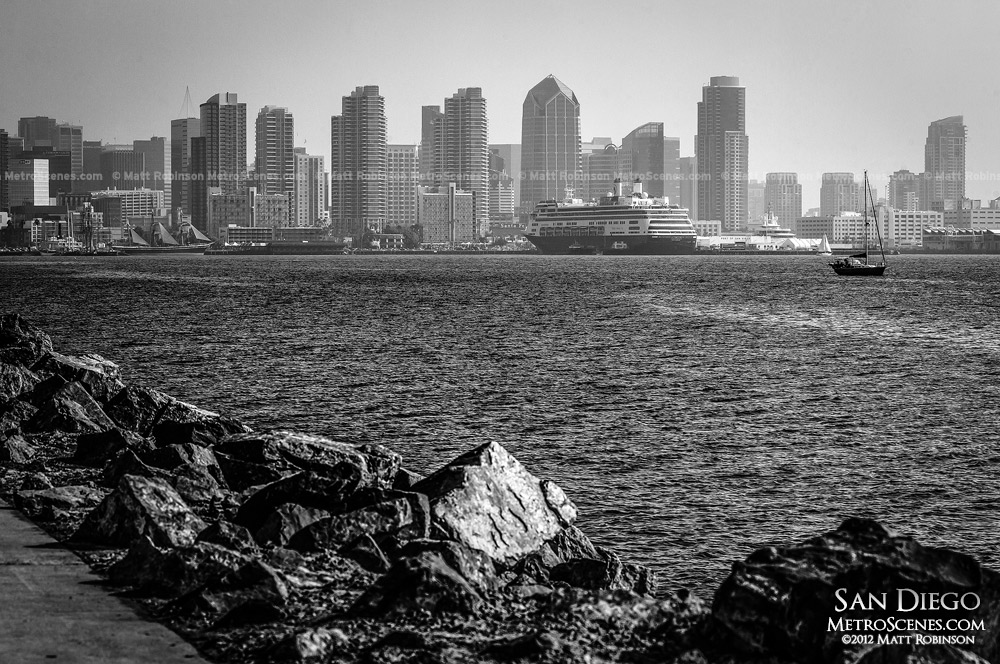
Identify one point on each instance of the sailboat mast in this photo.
(878, 230)
(866, 217)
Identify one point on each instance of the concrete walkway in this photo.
(53, 608)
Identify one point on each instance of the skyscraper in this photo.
(403, 169)
(69, 138)
(944, 162)
(783, 195)
(358, 164)
(4, 167)
(456, 143)
(722, 147)
(182, 131)
(511, 155)
(222, 162)
(309, 199)
(839, 193)
(645, 145)
(430, 128)
(156, 155)
(904, 191)
(275, 160)
(550, 144)
(689, 186)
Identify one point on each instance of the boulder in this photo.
(405, 480)
(242, 475)
(96, 449)
(473, 565)
(138, 507)
(20, 341)
(13, 415)
(309, 644)
(779, 601)
(16, 380)
(197, 486)
(125, 463)
(405, 516)
(366, 552)
(310, 489)
(486, 500)
(137, 408)
(255, 586)
(173, 456)
(173, 572)
(180, 423)
(100, 377)
(373, 465)
(288, 519)
(43, 504)
(229, 535)
(16, 450)
(71, 409)
(606, 572)
(424, 583)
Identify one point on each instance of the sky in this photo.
(839, 85)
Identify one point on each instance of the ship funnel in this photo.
(618, 187)
(637, 186)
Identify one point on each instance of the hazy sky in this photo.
(839, 85)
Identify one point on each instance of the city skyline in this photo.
(829, 88)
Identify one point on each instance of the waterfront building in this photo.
(219, 154)
(447, 215)
(275, 157)
(971, 214)
(839, 193)
(783, 196)
(844, 228)
(501, 190)
(28, 181)
(722, 148)
(246, 208)
(182, 131)
(455, 146)
(756, 202)
(944, 163)
(688, 191)
(903, 191)
(511, 155)
(358, 164)
(550, 144)
(156, 158)
(309, 195)
(403, 178)
(905, 227)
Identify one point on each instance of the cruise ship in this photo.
(630, 223)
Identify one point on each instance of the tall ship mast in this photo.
(626, 223)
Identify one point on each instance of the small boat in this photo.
(861, 265)
(824, 247)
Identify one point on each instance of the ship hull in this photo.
(635, 245)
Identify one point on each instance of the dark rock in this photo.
(172, 456)
(35, 480)
(96, 449)
(173, 572)
(16, 380)
(43, 503)
(20, 341)
(127, 463)
(421, 584)
(13, 415)
(71, 409)
(607, 572)
(533, 646)
(255, 584)
(473, 565)
(137, 408)
(251, 612)
(367, 553)
(242, 475)
(309, 489)
(488, 501)
(405, 515)
(304, 645)
(405, 480)
(569, 544)
(374, 465)
(17, 450)
(229, 535)
(778, 602)
(100, 377)
(181, 423)
(43, 391)
(197, 486)
(141, 506)
(285, 521)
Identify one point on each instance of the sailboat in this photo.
(861, 265)
(824, 247)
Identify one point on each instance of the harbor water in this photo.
(695, 408)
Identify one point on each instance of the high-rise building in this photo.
(69, 138)
(275, 162)
(600, 169)
(655, 160)
(550, 144)
(756, 201)
(904, 191)
(223, 160)
(511, 155)
(29, 181)
(455, 145)
(123, 169)
(447, 215)
(182, 131)
(44, 135)
(4, 166)
(839, 193)
(689, 186)
(92, 176)
(309, 196)
(944, 163)
(37, 132)
(358, 164)
(783, 196)
(403, 177)
(722, 148)
(156, 155)
(501, 189)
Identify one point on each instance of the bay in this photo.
(695, 408)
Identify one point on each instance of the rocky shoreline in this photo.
(279, 546)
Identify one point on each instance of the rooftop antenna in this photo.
(186, 107)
